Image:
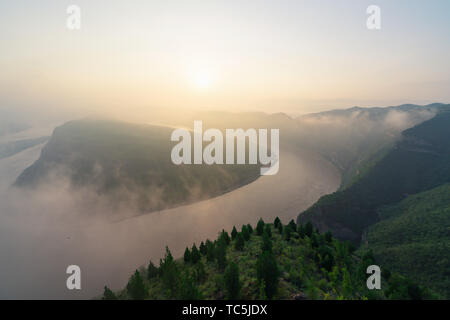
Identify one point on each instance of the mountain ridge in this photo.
(128, 164)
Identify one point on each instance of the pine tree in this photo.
(293, 225)
(260, 227)
(308, 229)
(312, 292)
(301, 231)
(232, 282)
(401, 288)
(210, 251)
(202, 248)
(239, 242)
(249, 228)
(328, 237)
(268, 230)
(314, 240)
(234, 233)
(152, 271)
(276, 222)
(169, 274)
(367, 259)
(327, 262)
(187, 256)
(108, 294)
(188, 288)
(195, 254)
(136, 288)
(287, 233)
(280, 228)
(267, 243)
(225, 237)
(221, 255)
(267, 271)
(347, 286)
(262, 291)
(245, 233)
(200, 272)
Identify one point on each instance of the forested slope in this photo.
(419, 162)
(413, 238)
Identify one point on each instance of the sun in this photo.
(202, 80)
(202, 75)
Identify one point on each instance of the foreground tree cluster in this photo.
(272, 261)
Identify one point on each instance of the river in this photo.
(36, 248)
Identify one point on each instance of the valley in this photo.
(69, 222)
(107, 251)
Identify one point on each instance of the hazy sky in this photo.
(292, 56)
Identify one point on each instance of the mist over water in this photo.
(42, 232)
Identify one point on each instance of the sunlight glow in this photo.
(202, 80)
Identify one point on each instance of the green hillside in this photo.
(272, 261)
(413, 238)
(130, 164)
(419, 162)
